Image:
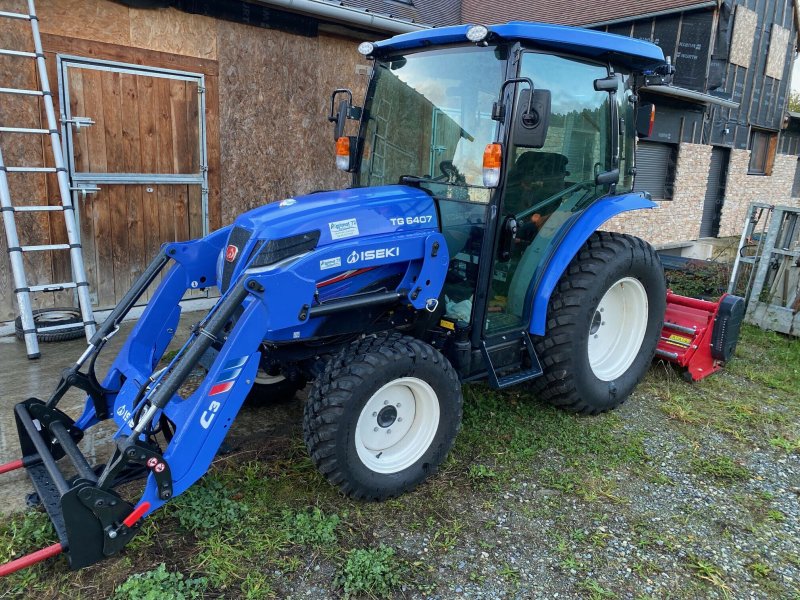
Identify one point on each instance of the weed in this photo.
(509, 573)
(160, 584)
(480, 472)
(373, 571)
(256, 586)
(208, 507)
(776, 515)
(710, 573)
(785, 444)
(719, 467)
(310, 527)
(25, 533)
(594, 590)
(759, 569)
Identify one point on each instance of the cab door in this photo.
(545, 186)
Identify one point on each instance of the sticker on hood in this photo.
(343, 229)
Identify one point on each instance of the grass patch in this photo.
(310, 527)
(719, 467)
(161, 584)
(373, 571)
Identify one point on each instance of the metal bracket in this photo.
(85, 190)
(79, 122)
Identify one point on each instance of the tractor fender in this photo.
(564, 248)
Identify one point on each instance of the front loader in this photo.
(484, 162)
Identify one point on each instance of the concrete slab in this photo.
(21, 378)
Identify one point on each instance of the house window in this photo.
(762, 152)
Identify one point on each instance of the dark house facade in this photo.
(720, 138)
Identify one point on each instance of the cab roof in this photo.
(622, 50)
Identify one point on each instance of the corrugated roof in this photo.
(426, 12)
(566, 12)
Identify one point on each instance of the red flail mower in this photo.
(699, 335)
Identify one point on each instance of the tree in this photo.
(794, 102)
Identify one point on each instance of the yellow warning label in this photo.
(679, 340)
(447, 325)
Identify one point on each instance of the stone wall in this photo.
(741, 189)
(677, 219)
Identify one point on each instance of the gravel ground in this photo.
(686, 491)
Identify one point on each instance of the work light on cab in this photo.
(492, 162)
(477, 33)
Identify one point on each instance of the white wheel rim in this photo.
(397, 425)
(263, 378)
(617, 329)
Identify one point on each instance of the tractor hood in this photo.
(307, 222)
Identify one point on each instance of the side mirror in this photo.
(532, 119)
(645, 118)
(345, 111)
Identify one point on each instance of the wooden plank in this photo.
(120, 250)
(151, 231)
(147, 124)
(182, 215)
(112, 121)
(195, 212)
(193, 127)
(163, 126)
(122, 53)
(137, 259)
(93, 108)
(80, 144)
(131, 143)
(179, 127)
(104, 241)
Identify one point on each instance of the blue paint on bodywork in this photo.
(564, 249)
(630, 52)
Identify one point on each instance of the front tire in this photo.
(382, 416)
(604, 320)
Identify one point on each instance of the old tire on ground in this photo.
(382, 416)
(273, 389)
(48, 317)
(604, 321)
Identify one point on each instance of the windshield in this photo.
(428, 115)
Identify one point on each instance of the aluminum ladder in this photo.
(15, 249)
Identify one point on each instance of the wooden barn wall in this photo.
(267, 103)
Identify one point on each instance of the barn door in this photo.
(135, 143)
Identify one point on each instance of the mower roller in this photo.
(467, 249)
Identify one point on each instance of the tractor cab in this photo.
(514, 130)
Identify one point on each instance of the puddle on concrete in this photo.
(21, 378)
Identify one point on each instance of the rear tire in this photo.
(382, 416)
(603, 324)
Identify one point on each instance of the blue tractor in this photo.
(484, 162)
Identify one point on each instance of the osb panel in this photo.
(275, 138)
(776, 60)
(744, 31)
(170, 30)
(99, 20)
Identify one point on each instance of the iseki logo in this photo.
(231, 252)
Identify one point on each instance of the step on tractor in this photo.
(484, 161)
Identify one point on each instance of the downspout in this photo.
(335, 11)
